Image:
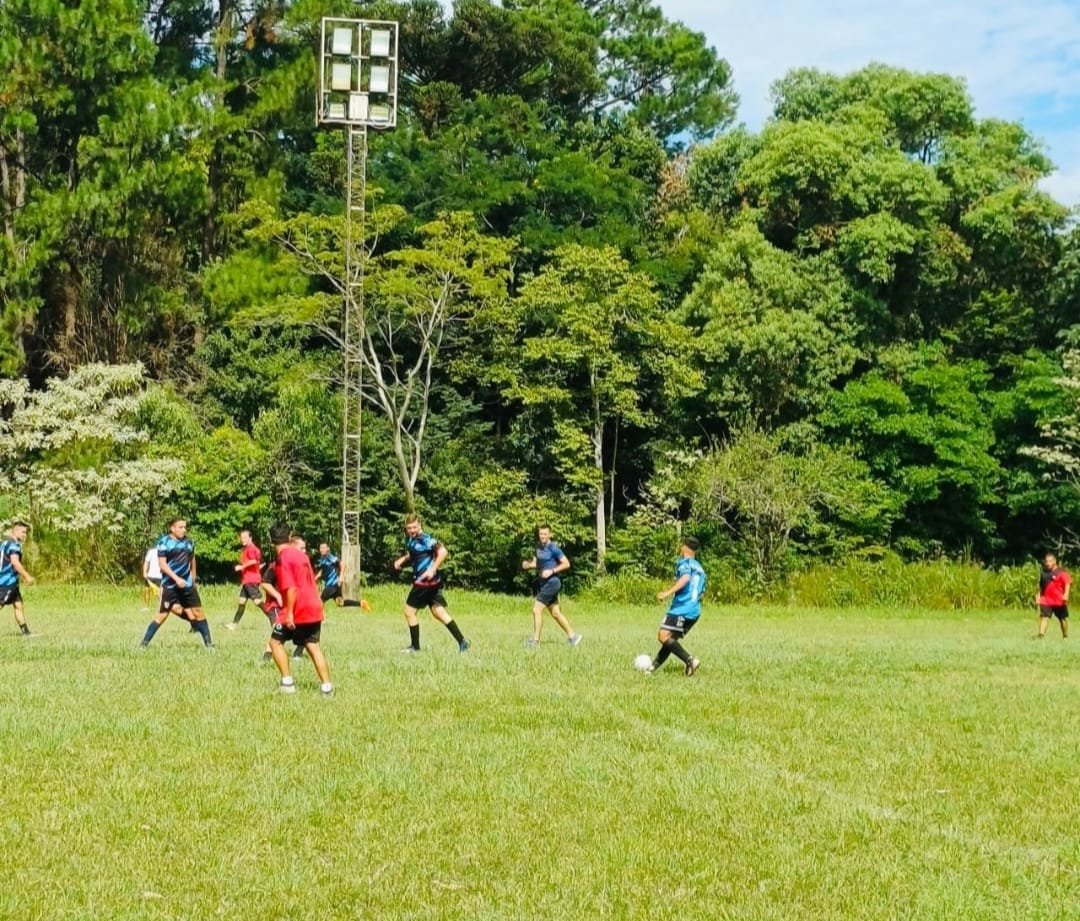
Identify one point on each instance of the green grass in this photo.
(821, 765)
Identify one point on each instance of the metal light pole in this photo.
(358, 80)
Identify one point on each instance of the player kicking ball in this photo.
(684, 611)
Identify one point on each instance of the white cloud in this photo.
(1020, 61)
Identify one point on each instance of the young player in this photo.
(301, 614)
(328, 569)
(425, 554)
(250, 569)
(1053, 597)
(548, 561)
(685, 608)
(179, 596)
(151, 574)
(12, 570)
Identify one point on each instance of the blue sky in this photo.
(1020, 61)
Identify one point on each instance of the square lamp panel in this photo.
(341, 75)
(379, 113)
(336, 111)
(380, 43)
(380, 78)
(342, 40)
(358, 107)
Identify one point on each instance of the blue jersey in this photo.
(178, 554)
(686, 602)
(422, 549)
(328, 570)
(548, 558)
(8, 575)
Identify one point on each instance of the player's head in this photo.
(178, 528)
(543, 534)
(413, 527)
(280, 534)
(324, 549)
(690, 546)
(245, 538)
(19, 530)
(1050, 561)
(298, 542)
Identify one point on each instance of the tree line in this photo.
(593, 300)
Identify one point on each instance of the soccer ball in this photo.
(643, 662)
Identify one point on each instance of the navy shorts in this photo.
(676, 623)
(185, 597)
(425, 596)
(547, 592)
(330, 592)
(10, 594)
(300, 634)
(250, 592)
(1060, 611)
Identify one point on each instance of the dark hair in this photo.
(542, 527)
(280, 534)
(412, 518)
(20, 524)
(692, 543)
(173, 521)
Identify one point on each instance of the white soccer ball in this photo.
(643, 662)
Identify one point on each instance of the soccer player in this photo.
(179, 596)
(151, 574)
(272, 602)
(425, 554)
(250, 569)
(548, 561)
(301, 614)
(685, 608)
(328, 567)
(1053, 597)
(11, 570)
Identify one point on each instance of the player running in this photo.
(12, 570)
(685, 608)
(425, 554)
(1053, 597)
(179, 596)
(328, 570)
(250, 569)
(548, 561)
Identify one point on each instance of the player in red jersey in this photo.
(301, 615)
(250, 569)
(1053, 597)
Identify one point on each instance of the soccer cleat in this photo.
(289, 688)
(574, 640)
(230, 626)
(692, 666)
(408, 650)
(463, 646)
(530, 643)
(365, 605)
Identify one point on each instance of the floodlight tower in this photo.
(358, 81)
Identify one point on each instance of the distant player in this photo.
(425, 554)
(179, 596)
(272, 601)
(151, 574)
(328, 570)
(250, 569)
(548, 561)
(1053, 597)
(301, 614)
(685, 608)
(12, 570)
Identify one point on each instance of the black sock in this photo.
(681, 654)
(150, 631)
(202, 627)
(661, 656)
(25, 628)
(239, 613)
(414, 636)
(349, 603)
(455, 632)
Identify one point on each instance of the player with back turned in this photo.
(425, 554)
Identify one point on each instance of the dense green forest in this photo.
(593, 298)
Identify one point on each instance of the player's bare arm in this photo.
(16, 564)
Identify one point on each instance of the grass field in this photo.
(821, 765)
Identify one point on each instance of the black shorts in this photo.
(425, 596)
(185, 597)
(547, 592)
(250, 592)
(676, 623)
(271, 611)
(300, 634)
(330, 592)
(1060, 611)
(10, 594)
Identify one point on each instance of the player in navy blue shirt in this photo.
(328, 569)
(685, 609)
(11, 570)
(425, 555)
(179, 596)
(548, 561)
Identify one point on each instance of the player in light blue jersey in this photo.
(548, 561)
(685, 609)
(11, 570)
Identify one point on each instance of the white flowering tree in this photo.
(73, 456)
(1061, 436)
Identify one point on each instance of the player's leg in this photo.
(322, 667)
(564, 624)
(241, 606)
(20, 616)
(1044, 620)
(538, 622)
(414, 628)
(439, 612)
(1063, 622)
(165, 608)
(281, 659)
(199, 623)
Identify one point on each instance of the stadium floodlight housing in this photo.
(358, 73)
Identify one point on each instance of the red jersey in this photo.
(294, 571)
(250, 575)
(1052, 587)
